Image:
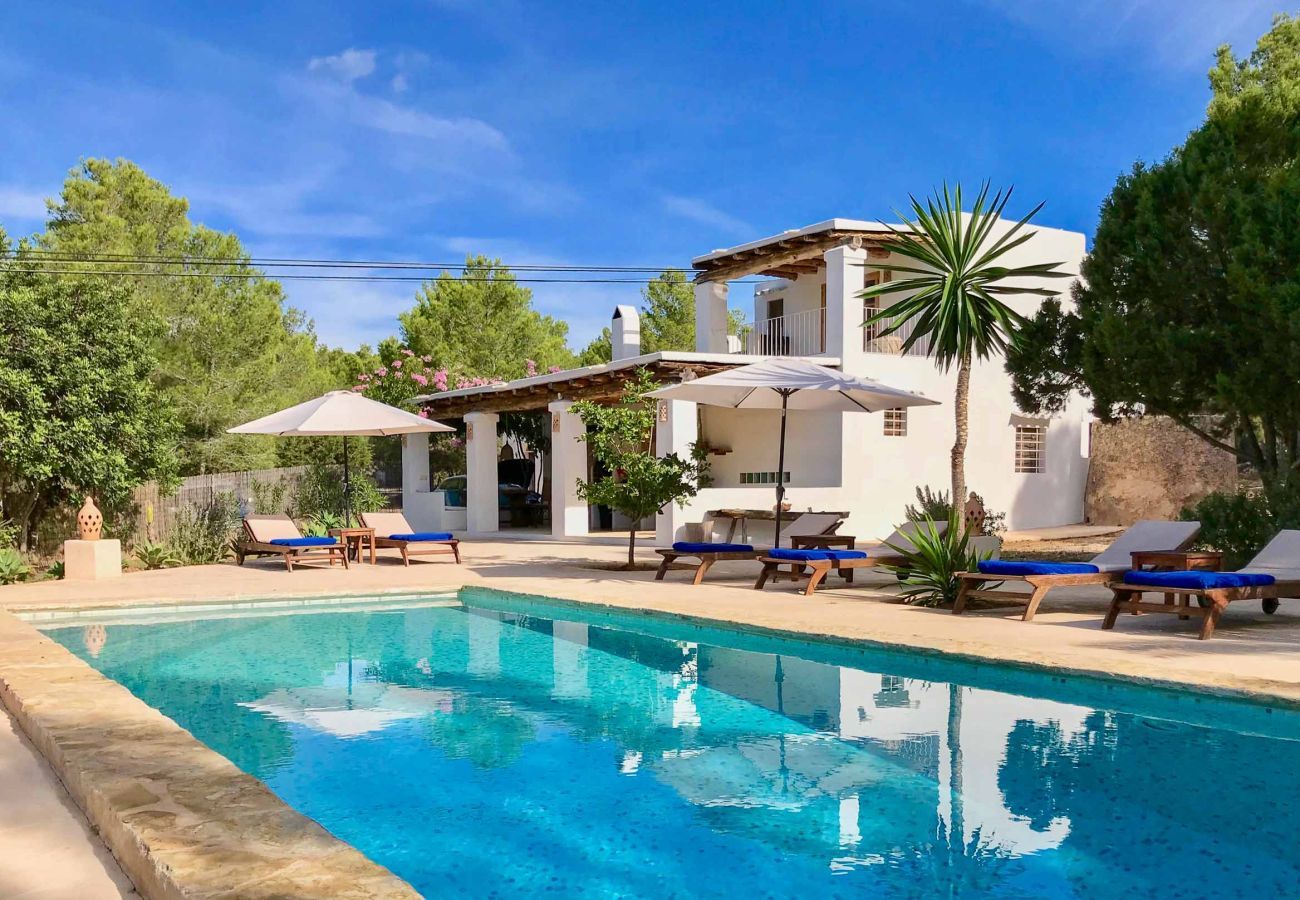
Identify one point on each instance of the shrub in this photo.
(13, 568)
(55, 569)
(320, 524)
(202, 534)
(1240, 524)
(154, 555)
(928, 573)
(320, 490)
(272, 497)
(935, 505)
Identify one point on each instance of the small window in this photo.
(761, 478)
(896, 422)
(1031, 449)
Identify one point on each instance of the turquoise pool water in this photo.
(501, 747)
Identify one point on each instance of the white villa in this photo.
(1033, 469)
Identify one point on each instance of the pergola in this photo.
(603, 382)
(797, 252)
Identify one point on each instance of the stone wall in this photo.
(1150, 468)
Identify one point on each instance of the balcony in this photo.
(798, 334)
(804, 334)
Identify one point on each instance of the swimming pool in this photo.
(498, 745)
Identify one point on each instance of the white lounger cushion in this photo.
(1149, 534)
(807, 524)
(272, 528)
(1279, 558)
(387, 523)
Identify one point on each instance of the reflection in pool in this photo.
(505, 747)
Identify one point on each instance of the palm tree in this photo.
(955, 279)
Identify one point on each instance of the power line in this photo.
(46, 270)
(297, 262)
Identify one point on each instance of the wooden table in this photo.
(355, 540)
(1177, 561)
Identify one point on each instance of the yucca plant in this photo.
(153, 555)
(928, 572)
(955, 276)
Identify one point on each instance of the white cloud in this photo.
(704, 214)
(347, 66)
(23, 204)
(400, 83)
(1176, 35)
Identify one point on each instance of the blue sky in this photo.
(590, 133)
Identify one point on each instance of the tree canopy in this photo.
(227, 346)
(1189, 304)
(483, 323)
(78, 410)
(667, 319)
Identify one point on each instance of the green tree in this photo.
(667, 319)
(227, 346)
(482, 323)
(621, 438)
(78, 411)
(954, 279)
(1189, 303)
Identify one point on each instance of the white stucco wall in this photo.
(846, 462)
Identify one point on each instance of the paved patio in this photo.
(1250, 652)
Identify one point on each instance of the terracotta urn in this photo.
(90, 521)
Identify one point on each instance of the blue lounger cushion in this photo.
(706, 547)
(813, 555)
(305, 542)
(1198, 581)
(1012, 567)
(423, 536)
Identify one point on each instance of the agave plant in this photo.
(153, 555)
(13, 568)
(319, 524)
(954, 279)
(928, 572)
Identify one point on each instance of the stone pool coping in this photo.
(182, 820)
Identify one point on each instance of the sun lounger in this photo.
(392, 530)
(709, 552)
(1104, 568)
(279, 536)
(1272, 575)
(815, 565)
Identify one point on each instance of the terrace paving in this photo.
(72, 710)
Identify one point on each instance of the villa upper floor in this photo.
(807, 302)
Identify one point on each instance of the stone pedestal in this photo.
(92, 560)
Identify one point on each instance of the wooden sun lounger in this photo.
(816, 570)
(804, 523)
(391, 523)
(1211, 602)
(260, 530)
(1280, 558)
(1113, 562)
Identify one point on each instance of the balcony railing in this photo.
(875, 341)
(798, 334)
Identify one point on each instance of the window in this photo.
(761, 478)
(1031, 449)
(896, 422)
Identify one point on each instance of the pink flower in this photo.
(406, 352)
(440, 379)
(381, 372)
(423, 413)
(363, 377)
(554, 369)
(358, 388)
(397, 364)
(530, 368)
(427, 359)
(419, 379)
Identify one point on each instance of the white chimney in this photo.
(625, 333)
